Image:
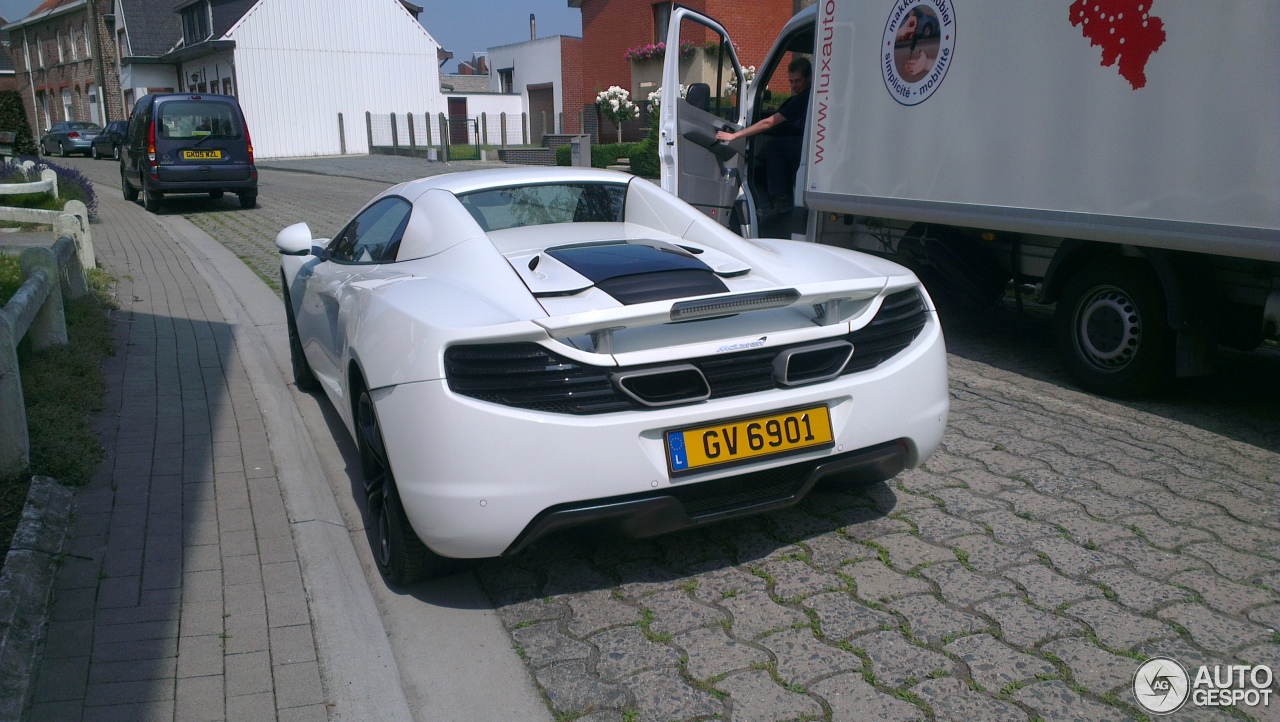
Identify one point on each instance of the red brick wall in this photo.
(571, 82)
(75, 74)
(610, 27)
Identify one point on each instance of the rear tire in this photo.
(62, 150)
(115, 152)
(130, 193)
(93, 152)
(248, 199)
(151, 199)
(400, 554)
(1111, 330)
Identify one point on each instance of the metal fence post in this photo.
(395, 134)
(15, 448)
(560, 123)
(49, 325)
(502, 128)
(342, 136)
(524, 127)
(484, 129)
(368, 127)
(413, 143)
(444, 135)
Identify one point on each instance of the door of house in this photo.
(94, 115)
(458, 132)
(542, 111)
(66, 105)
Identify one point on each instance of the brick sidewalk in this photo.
(181, 597)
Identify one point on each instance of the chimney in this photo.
(533, 27)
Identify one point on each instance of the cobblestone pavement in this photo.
(1054, 542)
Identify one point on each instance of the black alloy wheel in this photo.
(401, 556)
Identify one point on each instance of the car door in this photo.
(371, 238)
(693, 164)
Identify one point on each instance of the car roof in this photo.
(468, 181)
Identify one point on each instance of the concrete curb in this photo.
(361, 677)
(25, 584)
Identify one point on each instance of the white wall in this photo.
(143, 78)
(493, 105)
(535, 62)
(301, 62)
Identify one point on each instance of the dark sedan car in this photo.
(107, 145)
(69, 137)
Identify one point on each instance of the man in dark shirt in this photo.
(786, 127)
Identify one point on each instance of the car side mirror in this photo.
(294, 240)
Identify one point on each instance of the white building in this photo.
(546, 72)
(296, 65)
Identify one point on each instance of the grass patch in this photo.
(61, 387)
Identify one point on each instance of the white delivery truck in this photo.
(1122, 157)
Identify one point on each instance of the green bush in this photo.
(13, 118)
(602, 156)
(644, 160)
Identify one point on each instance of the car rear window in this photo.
(535, 205)
(83, 126)
(186, 119)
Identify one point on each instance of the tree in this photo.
(13, 118)
(615, 104)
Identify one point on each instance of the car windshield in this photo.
(535, 205)
(83, 126)
(185, 119)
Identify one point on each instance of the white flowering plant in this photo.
(748, 75)
(615, 105)
(655, 98)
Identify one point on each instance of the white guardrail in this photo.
(36, 309)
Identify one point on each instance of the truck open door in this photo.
(697, 100)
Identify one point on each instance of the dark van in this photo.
(187, 143)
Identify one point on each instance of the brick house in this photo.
(62, 55)
(611, 27)
(144, 30)
(8, 75)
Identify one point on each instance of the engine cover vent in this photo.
(811, 364)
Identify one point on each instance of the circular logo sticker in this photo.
(1161, 685)
(919, 40)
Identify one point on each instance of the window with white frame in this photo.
(196, 23)
(57, 36)
(84, 33)
(75, 49)
(40, 51)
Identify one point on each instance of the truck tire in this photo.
(1111, 331)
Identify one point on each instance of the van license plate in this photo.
(202, 155)
(749, 439)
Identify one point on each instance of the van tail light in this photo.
(151, 142)
(73, 134)
(248, 142)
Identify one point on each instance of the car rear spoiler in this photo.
(831, 301)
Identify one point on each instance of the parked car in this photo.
(108, 142)
(69, 137)
(518, 351)
(183, 143)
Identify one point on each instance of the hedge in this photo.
(602, 156)
(13, 118)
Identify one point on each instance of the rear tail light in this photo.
(248, 142)
(151, 142)
(73, 134)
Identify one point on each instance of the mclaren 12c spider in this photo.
(519, 351)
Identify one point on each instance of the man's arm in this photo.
(756, 128)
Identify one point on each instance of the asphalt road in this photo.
(1055, 541)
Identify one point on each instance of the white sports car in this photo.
(519, 351)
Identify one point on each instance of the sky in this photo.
(461, 27)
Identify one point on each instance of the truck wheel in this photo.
(1111, 331)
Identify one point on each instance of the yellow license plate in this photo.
(201, 155)
(728, 442)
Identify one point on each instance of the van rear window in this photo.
(185, 119)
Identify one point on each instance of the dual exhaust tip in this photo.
(686, 384)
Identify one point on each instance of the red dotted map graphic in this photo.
(1125, 30)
